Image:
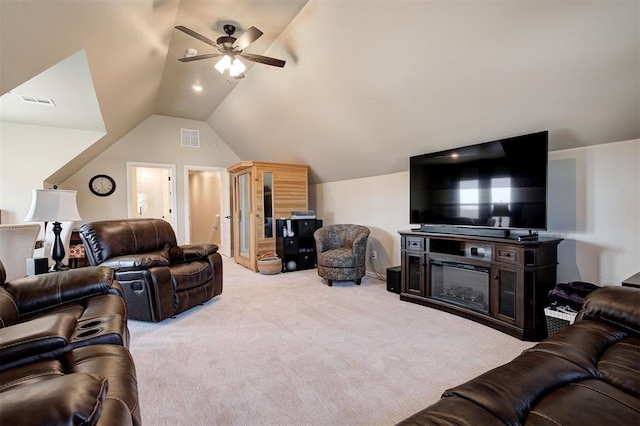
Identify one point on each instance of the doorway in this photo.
(151, 191)
(207, 207)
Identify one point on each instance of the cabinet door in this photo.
(506, 297)
(414, 267)
(243, 221)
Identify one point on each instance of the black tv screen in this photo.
(500, 184)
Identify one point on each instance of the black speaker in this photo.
(37, 265)
(393, 279)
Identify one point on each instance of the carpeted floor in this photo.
(287, 349)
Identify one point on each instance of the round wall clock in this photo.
(102, 185)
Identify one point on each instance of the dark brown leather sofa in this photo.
(586, 374)
(160, 279)
(64, 355)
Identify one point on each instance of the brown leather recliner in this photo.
(160, 279)
(64, 355)
(586, 374)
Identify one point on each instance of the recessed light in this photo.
(197, 88)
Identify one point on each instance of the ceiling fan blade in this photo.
(198, 57)
(198, 36)
(247, 37)
(263, 59)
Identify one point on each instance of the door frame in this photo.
(172, 196)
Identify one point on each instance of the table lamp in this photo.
(54, 205)
(500, 210)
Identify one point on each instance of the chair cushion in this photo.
(190, 275)
(338, 258)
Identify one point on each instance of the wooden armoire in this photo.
(261, 193)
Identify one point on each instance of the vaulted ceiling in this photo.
(367, 82)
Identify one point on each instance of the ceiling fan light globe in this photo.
(236, 68)
(223, 64)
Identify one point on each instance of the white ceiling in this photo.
(367, 82)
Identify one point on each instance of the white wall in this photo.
(594, 204)
(28, 156)
(155, 140)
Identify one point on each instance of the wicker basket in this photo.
(556, 321)
(269, 264)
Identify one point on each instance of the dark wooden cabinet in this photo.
(499, 282)
(296, 248)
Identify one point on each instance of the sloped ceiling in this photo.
(371, 83)
(367, 82)
(176, 97)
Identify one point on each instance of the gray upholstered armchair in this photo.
(341, 251)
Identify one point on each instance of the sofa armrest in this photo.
(8, 309)
(137, 262)
(360, 245)
(617, 305)
(40, 292)
(34, 339)
(188, 253)
(70, 399)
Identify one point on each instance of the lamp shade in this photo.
(53, 205)
(500, 209)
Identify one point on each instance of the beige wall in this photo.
(381, 203)
(155, 140)
(594, 204)
(28, 156)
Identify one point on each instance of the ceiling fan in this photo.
(231, 50)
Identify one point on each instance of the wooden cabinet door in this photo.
(414, 271)
(507, 297)
(244, 220)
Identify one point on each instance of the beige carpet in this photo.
(287, 349)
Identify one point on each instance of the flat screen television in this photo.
(499, 185)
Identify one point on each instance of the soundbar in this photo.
(486, 232)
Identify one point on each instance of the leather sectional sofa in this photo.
(64, 355)
(586, 374)
(159, 278)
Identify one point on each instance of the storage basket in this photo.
(556, 320)
(269, 264)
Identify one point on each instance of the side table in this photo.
(632, 281)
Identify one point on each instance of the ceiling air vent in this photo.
(190, 138)
(36, 100)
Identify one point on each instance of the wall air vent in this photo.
(190, 138)
(36, 100)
